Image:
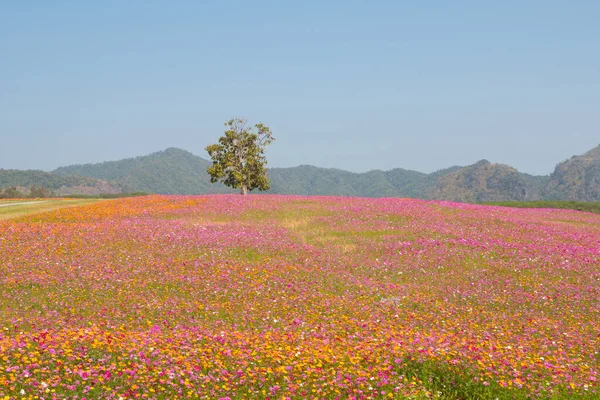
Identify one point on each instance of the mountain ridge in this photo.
(577, 178)
(177, 171)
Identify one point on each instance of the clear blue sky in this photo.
(356, 85)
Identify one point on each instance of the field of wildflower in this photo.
(285, 297)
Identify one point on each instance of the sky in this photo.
(355, 85)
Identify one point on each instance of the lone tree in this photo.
(238, 159)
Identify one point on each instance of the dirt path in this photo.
(22, 203)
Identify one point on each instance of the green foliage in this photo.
(39, 192)
(238, 159)
(35, 192)
(11, 193)
(450, 384)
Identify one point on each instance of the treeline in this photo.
(11, 178)
(34, 192)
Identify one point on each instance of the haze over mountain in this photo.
(176, 171)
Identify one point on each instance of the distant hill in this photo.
(576, 179)
(172, 171)
(176, 171)
(309, 180)
(59, 184)
(484, 181)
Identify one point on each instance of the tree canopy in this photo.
(238, 159)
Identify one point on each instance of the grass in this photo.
(593, 207)
(33, 206)
(444, 382)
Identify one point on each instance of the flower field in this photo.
(231, 297)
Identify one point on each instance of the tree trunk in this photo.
(244, 190)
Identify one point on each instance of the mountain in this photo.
(576, 179)
(172, 171)
(59, 184)
(484, 181)
(423, 189)
(308, 180)
(176, 171)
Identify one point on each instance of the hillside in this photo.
(176, 171)
(484, 181)
(309, 180)
(58, 184)
(576, 179)
(172, 171)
